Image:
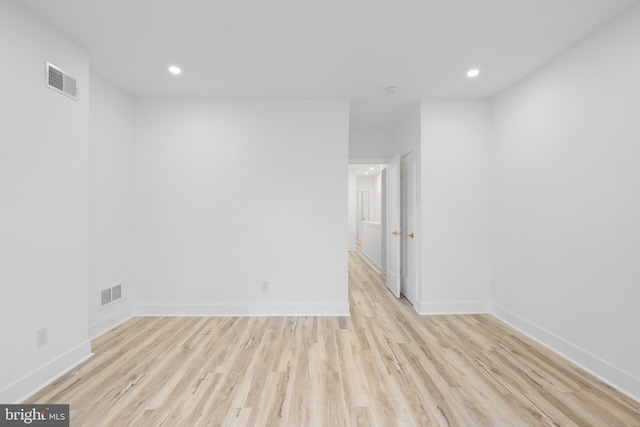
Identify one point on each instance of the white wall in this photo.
(567, 206)
(374, 144)
(455, 197)
(407, 136)
(43, 205)
(110, 213)
(225, 185)
(372, 245)
(377, 198)
(352, 214)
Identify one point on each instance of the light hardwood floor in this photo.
(383, 366)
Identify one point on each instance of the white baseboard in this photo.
(454, 307)
(377, 267)
(30, 384)
(98, 328)
(242, 310)
(617, 378)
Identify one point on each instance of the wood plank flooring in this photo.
(383, 366)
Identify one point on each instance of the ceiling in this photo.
(366, 170)
(329, 49)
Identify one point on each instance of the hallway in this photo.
(384, 366)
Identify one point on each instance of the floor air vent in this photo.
(110, 295)
(60, 81)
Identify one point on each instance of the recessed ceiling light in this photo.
(371, 168)
(175, 70)
(473, 73)
(366, 173)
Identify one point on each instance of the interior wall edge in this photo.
(105, 325)
(604, 371)
(45, 375)
(378, 268)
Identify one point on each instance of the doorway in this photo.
(366, 218)
(384, 200)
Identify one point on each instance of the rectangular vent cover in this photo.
(107, 296)
(116, 292)
(60, 81)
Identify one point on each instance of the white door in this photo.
(408, 179)
(394, 230)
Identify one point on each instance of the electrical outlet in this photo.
(41, 337)
(265, 286)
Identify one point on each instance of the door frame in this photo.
(393, 226)
(409, 220)
(418, 212)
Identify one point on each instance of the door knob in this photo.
(410, 235)
(396, 233)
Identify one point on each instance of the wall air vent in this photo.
(105, 297)
(60, 81)
(110, 295)
(116, 292)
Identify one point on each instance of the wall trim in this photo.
(453, 307)
(105, 325)
(372, 263)
(242, 310)
(35, 381)
(609, 374)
